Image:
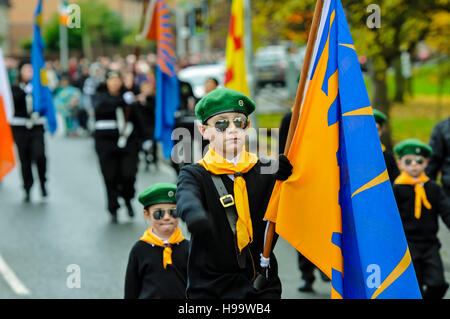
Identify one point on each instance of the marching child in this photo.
(223, 199)
(157, 262)
(420, 201)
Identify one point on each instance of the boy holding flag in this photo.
(28, 127)
(222, 199)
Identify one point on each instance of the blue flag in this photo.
(338, 208)
(167, 85)
(42, 96)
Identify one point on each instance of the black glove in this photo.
(198, 224)
(284, 168)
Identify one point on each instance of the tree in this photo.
(99, 25)
(281, 20)
(404, 23)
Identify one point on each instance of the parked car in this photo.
(270, 65)
(197, 75)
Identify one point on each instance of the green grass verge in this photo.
(425, 81)
(270, 120)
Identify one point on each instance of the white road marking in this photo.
(16, 285)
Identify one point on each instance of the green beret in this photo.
(112, 74)
(380, 117)
(412, 146)
(157, 194)
(223, 100)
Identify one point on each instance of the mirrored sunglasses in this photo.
(222, 124)
(419, 160)
(158, 214)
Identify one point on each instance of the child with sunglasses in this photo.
(223, 199)
(157, 265)
(420, 201)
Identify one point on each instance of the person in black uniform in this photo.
(28, 131)
(223, 199)
(440, 159)
(118, 128)
(305, 266)
(185, 119)
(391, 164)
(420, 201)
(157, 264)
(146, 104)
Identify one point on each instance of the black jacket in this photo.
(423, 230)
(146, 277)
(20, 105)
(147, 112)
(213, 270)
(105, 106)
(391, 165)
(440, 159)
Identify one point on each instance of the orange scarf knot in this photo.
(218, 165)
(176, 237)
(421, 196)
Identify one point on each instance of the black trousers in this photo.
(31, 148)
(427, 263)
(306, 268)
(119, 168)
(447, 190)
(153, 152)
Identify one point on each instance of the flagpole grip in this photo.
(297, 104)
(269, 238)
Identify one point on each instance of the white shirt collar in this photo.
(235, 159)
(163, 240)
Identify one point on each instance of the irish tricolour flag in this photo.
(7, 161)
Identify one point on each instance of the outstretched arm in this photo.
(189, 204)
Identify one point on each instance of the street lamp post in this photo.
(4, 25)
(63, 39)
(248, 41)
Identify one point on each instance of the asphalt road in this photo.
(66, 247)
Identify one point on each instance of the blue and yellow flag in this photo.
(157, 27)
(42, 96)
(338, 208)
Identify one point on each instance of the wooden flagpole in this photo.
(297, 104)
(137, 49)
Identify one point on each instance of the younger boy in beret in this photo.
(391, 165)
(227, 231)
(420, 201)
(157, 262)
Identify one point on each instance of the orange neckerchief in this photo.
(421, 196)
(218, 165)
(383, 148)
(176, 237)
